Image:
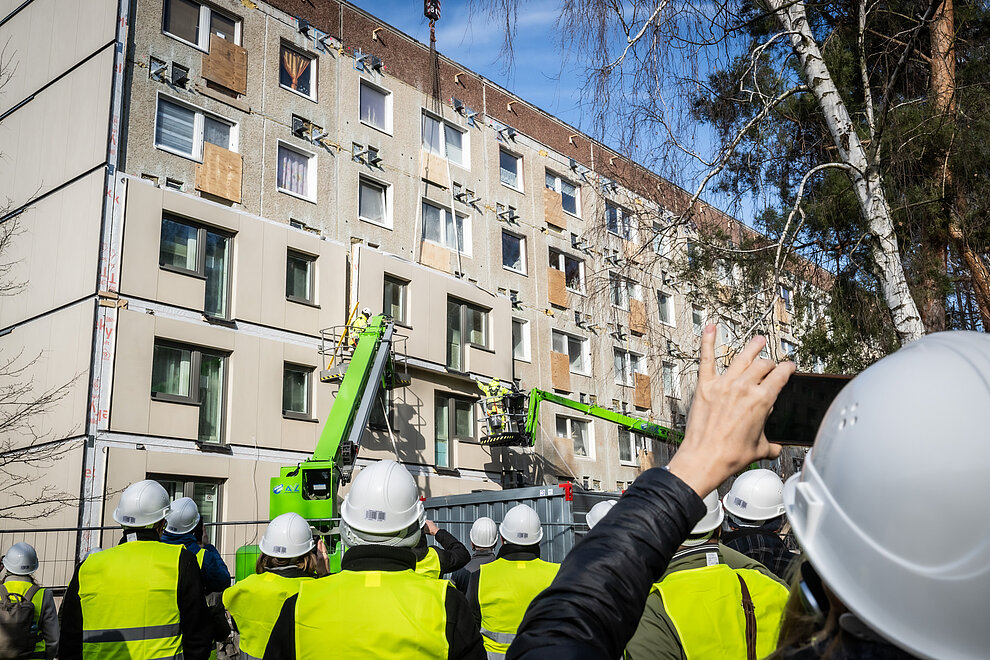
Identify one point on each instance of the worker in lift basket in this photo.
(494, 400)
(500, 591)
(41, 641)
(378, 606)
(140, 599)
(358, 325)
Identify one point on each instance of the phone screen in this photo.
(801, 406)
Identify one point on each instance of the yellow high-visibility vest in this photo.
(705, 605)
(20, 587)
(372, 614)
(429, 565)
(505, 590)
(255, 603)
(129, 600)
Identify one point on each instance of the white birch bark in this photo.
(866, 179)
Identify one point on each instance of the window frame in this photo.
(633, 363)
(451, 399)
(787, 295)
(698, 329)
(467, 238)
(386, 190)
(629, 289)
(791, 354)
(675, 379)
(670, 306)
(562, 267)
(558, 188)
(307, 415)
(519, 169)
(188, 481)
(311, 260)
(625, 225)
(314, 64)
(527, 338)
(387, 93)
(205, 16)
(444, 124)
(523, 257)
(569, 422)
(585, 351)
(195, 367)
(199, 125)
(311, 172)
(200, 272)
(403, 297)
(637, 442)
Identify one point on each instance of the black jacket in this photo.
(194, 616)
(453, 555)
(463, 637)
(461, 576)
(594, 605)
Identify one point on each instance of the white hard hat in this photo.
(366, 311)
(905, 444)
(21, 559)
(755, 495)
(383, 507)
(287, 536)
(484, 532)
(142, 504)
(183, 516)
(598, 512)
(713, 515)
(521, 525)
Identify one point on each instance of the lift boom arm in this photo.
(537, 396)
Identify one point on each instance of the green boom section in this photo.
(636, 424)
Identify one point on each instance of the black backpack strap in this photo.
(749, 611)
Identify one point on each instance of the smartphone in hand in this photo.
(801, 406)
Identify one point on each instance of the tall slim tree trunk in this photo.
(866, 180)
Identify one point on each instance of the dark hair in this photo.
(800, 628)
(267, 563)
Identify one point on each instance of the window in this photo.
(573, 269)
(194, 250)
(299, 277)
(182, 130)
(568, 192)
(620, 222)
(630, 444)
(785, 295)
(205, 493)
(520, 340)
(627, 364)
(467, 324)
(296, 72)
(394, 299)
(194, 22)
(575, 348)
(514, 252)
(671, 380)
(445, 140)
(453, 232)
(510, 169)
(621, 290)
(296, 172)
(376, 106)
(579, 431)
(663, 240)
(697, 319)
(295, 391)
(373, 203)
(184, 374)
(665, 303)
(453, 420)
(726, 275)
(789, 349)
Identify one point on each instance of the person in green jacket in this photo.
(712, 603)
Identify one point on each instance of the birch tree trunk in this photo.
(865, 177)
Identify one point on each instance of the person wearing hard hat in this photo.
(358, 325)
(484, 536)
(184, 526)
(289, 557)
(754, 515)
(140, 599)
(377, 606)
(709, 587)
(433, 561)
(598, 512)
(501, 591)
(20, 562)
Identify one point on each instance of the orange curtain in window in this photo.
(295, 64)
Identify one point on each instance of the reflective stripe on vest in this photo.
(430, 564)
(505, 590)
(372, 614)
(129, 600)
(21, 587)
(705, 606)
(255, 603)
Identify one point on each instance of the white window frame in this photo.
(314, 68)
(388, 105)
(310, 172)
(698, 330)
(788, 354)
(444, 124)
(585, 351)
(787, 295)
(590, 435)
(205, 11)
(526, 340)
(519, 169)
(670, 306)
(522, 254)
(675, 380)
(199, 124)
(629, 290)
(403, 285)
(636, 441)
(558, 188)
(562, 267)
(465, 224)
(633, 363)
(625, 223)
(386, 201)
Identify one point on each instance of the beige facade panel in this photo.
(220, 173)
(560, 370)
(553, 210)
(58, 135)
(55, 252)
(47, 38)
(226, 64)
(556, 287)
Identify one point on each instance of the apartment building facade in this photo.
(201, 187)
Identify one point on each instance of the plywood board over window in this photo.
(435, 256)
(557, 289)
(226, 64)
(637, 316)
(220, 173)
(560, 371)
(631, 250)
(434, 169)
(783, 315)
(553, 209)
(642, 396)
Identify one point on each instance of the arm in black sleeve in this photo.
(459, 579)
(282, 641)
(194, 615)
(463, 637)
(70, 633)
(453, 555)
(594, 605)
